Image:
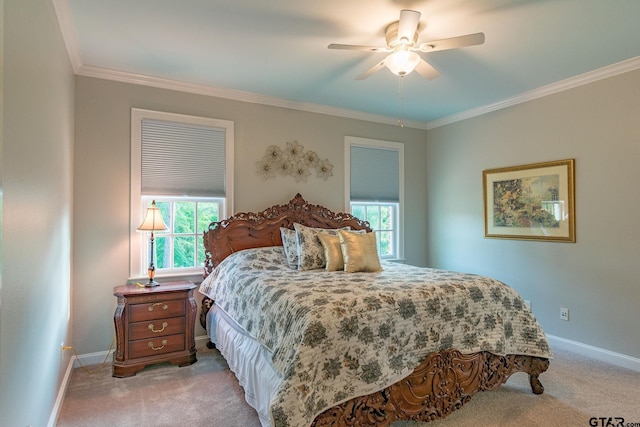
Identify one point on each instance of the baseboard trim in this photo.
(97, 358)
(597, 353)
(201, 338)
(57, 406)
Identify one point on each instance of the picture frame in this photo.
(530, 202)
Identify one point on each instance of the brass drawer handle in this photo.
(164, 306)
(164, 325)
(164, 342)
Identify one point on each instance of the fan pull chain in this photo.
(401, 100)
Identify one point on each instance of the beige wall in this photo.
(101, 169)
(37, 133)
(598, 277)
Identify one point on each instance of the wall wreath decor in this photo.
(293, 161)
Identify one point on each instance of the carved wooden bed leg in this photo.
(536, 385)
(533, 366)
(538, 366)
(204, 309)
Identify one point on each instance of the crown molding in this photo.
(570, 83)
(236, 95)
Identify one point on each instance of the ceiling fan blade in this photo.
(453, 42)
(408, 24)
(426, 70)
(371, 71)
(358, 47)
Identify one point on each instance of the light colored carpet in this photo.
(207, 394)
(203, 394)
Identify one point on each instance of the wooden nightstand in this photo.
(154, 325)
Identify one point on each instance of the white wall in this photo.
(101, 176)
(36, 228)
(598, 277)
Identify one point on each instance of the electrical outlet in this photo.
(564, 313)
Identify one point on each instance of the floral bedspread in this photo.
(337, 335)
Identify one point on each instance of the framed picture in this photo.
(530, 202)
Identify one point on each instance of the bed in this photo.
(364, 348)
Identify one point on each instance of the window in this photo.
(181, 247)
(375, 190)
(185, 164)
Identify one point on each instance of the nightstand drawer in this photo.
(154, 346)
(156, 310)
(156, 328)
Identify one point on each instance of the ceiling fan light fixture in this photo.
(402, 44)
(402, 62)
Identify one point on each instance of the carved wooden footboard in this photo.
(442, 383)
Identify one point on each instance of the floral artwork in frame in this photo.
(530, 202)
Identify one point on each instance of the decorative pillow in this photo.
(290, 245)
(359, 251)
(310, 250)
(332, 251)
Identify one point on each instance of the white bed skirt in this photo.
(249, 361)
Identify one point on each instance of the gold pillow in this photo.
(359, 251)
(332, 251)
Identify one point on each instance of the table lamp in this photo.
(152, 222)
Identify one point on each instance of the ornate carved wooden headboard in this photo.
(254, 230)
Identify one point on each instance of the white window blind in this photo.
(182, 159)
(375, 174)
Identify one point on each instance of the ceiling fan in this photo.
(402, 43)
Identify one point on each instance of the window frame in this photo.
(138, 241)
(350, 141)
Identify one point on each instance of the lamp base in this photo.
(151, 270)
